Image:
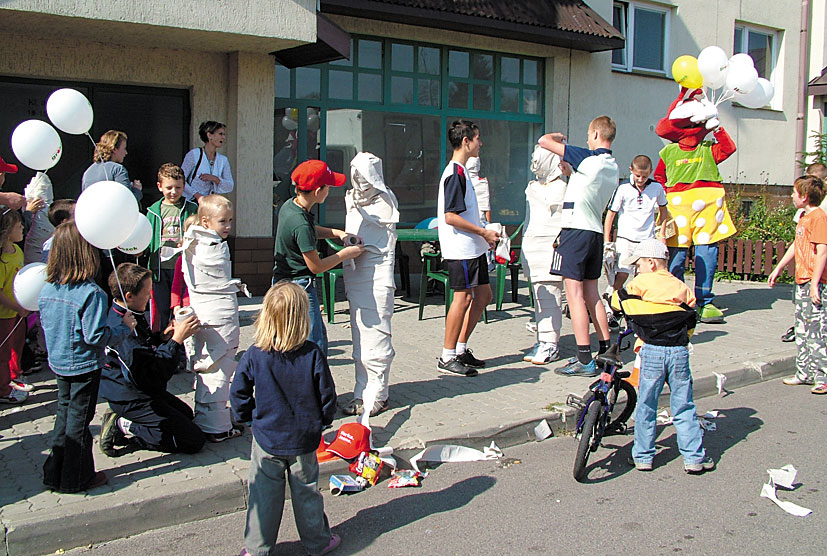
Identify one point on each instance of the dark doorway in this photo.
(156, 120)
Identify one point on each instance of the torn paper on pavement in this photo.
(372, 214)
(720, 381)
(449, 453)
(785, 478)
(664, 418)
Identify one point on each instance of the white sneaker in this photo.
(546, 353)
(15, 397)
(20, 384)
(530, 354)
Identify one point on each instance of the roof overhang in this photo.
(332, 43)
(818, 86)
(452, 21)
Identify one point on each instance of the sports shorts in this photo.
(581, 255)
(464, 274)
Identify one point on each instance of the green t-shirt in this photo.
(296, 234)
(689, 166)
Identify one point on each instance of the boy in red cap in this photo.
(296, 256)
(14, 201)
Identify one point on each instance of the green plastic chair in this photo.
(429, 261)
(514, 268)
(328, 279)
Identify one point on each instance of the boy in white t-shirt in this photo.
(592, 182)
(464, 243)
(634, 204)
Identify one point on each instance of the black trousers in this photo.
(70, 467)
(163, 424)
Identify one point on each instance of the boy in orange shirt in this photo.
(810, 253)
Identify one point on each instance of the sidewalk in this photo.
(147, 490)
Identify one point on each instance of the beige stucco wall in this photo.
(818, 61)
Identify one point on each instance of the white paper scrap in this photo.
(664, 418)
(707, 425)
(768, 491)
(720, 381)
(711, 414)
(542, 430)
(784, 477)
(449, 453)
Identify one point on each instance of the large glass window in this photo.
(646, 28)
(396, 100)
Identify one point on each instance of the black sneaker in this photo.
(469, 360)
(453, 366)
(111, 435)
(789, 335)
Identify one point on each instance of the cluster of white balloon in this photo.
(106, 213)
(290, 121)
(714, 70)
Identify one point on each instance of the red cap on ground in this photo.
(6, 167)
(313, 174)
(351, 440)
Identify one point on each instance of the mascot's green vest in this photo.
(689, 166)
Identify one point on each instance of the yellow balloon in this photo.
(685, 72)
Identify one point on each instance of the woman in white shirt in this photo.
(207, 171)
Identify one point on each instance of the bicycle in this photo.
(596, 407)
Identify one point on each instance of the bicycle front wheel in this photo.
(586, 435)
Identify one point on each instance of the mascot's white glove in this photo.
(609, 252)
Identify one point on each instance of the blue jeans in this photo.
(658, 365)
(266, 501)
(318, 332)
(706, 261)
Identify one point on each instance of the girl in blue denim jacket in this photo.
(73, 312)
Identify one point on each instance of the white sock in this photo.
(124, 425)
(448, 354)
(461, 347)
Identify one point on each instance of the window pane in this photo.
(408, 145)
(531, 72)
(649, 39)
(340, 84)
(345, 61)
(458, 95)
(510, 99)
(370, 54)
(619, 23)
(457, 63)
(738, 41)
(402, 57)
(428, 92)
(401, 90)
(428, 60)
(308, 83)
(760, 48)
(531, 102)
(483, 67)
(282, 81)
(510, 70)
(370, 87)
(482, 97)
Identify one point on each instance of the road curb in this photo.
(45, 531)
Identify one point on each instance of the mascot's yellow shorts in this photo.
(700, 215)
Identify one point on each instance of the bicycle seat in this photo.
(610, 357)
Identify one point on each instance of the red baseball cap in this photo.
(6, 167)
(351, 440)
(313, 174)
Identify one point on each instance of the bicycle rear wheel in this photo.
(586, 435)
(626, 396)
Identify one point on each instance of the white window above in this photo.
(646, 28)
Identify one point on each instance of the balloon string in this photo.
(12, 332)
(726, 96)
(97, 151)
(120, 288)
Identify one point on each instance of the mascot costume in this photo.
(688, 170)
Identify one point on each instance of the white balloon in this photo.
(27, 285)
(140, 237)
(289, 124)
(741, 59)
(741, 79)
(713, 64)
(313, 122)
(36, 144)
(759, 97)
(70, 111)
(105, 214)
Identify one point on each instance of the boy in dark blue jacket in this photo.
(134, 380)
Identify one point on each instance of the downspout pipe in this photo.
(803, 78)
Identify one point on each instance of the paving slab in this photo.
(148, 489)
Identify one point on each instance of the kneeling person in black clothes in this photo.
(134, 380)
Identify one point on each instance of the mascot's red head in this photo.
(689, 119)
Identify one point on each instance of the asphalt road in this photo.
(528, 503)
